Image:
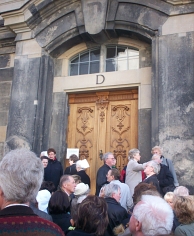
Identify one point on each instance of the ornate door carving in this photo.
(104, 121)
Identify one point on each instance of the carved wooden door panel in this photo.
(121, 130)
(104, 121)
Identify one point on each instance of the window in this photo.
(120, 58)
(86, 63)
(116, 58)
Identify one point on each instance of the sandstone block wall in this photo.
(6, 76)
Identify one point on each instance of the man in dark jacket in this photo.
(101, 179)
(167, 162)
(54, 170)
(151, 171)
(164, 176)
(116, 213)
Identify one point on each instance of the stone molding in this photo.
(42, 20)
(16, 20)
(11, 5)
(132, 78)
(179, 2)
(178, 25)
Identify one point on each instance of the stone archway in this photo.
(56, 26)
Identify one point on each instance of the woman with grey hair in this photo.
(21, 174)
(151, 171)
(133, 171)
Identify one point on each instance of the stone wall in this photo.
(6, 76)
(176, 102)
(46, 29)
(30, 104)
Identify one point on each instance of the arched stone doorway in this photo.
(44, 30)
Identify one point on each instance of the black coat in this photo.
(53, 172)
(84, 177)
(101, 177)
(62, 220)
(78, 232)
(117, 215)
(165, 177)
(153, 180)
(71, 170)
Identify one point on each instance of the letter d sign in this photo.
(97, 79)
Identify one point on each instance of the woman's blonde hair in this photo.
(184, 209)
(157, 148)
(168, 196)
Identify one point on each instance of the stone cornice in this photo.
(11, 5)
(179, 2)
(29, 14)
(16, 20)
(4, 32)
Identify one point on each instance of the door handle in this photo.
(100, 154)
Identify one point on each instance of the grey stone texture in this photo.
(58, 67)
(4, 61)
(6, 74)
(24, 93)
(1, 150)
(59, 123)
(3, 118)
(5, 50)
(11, 5)
(145, 59)
(30, 106)
(94, 14)
(4, 103)
(144, 134)
(5, 89)
(59, 25)
(44, 107)
(176, 101)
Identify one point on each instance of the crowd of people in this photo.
(38, 198)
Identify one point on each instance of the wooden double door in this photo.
(103, 122)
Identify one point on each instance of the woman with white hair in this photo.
(181, 191)
(81, 167)
(151, 171)
(134, 169)
(81, 192)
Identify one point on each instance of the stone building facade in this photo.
(40, 40)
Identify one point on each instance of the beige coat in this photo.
(133, 174)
